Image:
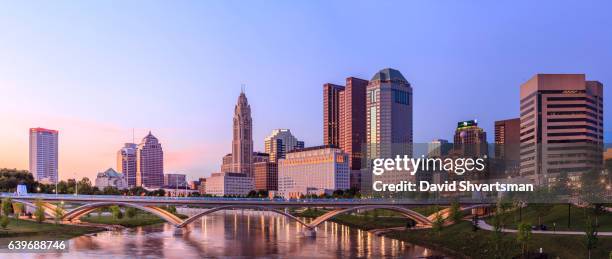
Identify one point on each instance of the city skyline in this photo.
(63, 98)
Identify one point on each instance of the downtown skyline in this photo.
(190, 98)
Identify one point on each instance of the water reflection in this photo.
(239, 233)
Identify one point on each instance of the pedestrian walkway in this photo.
(484, 225)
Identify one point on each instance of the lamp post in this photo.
(76, 186)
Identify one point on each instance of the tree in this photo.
(591, 235)
(4, 221)
(561, 186)
(7, 206)
(454, 213)
(438, 223)
(39, 213)
(500, 244)
(10, 178)
(111, 190)
(17, 209)
(85, 186)
(252, 194)
(592, 189)
(171, 209)
(130, 212)
(116, 211)
(59, 213)
(524, 236)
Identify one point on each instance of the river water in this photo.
(232, 234)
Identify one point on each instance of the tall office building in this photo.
(331, 114)
(470, 140)
(507, 139)
(438, 148)
(242, 142)
(507, 145)
(388, 121)
(150, 164)
(280, 142)
(127, 162)
(353, 120)
(43, 155)
(561, 126)
(345, 121)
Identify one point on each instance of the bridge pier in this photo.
(309, 232)
(179, 231)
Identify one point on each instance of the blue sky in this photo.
(97, 70)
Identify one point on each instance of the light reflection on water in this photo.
(239, 233)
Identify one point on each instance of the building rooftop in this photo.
(389, 74)
(311, 148)
(110, 173)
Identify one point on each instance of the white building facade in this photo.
(314, 170)
(220, 184)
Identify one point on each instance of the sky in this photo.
(99, 70)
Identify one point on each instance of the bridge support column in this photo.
(179, 231)
(309, 232)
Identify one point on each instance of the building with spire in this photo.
(150, 163)
(242, 142)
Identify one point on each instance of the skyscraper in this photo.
(561, 126)
(438, 148)
(470, 140)
(507, 144)
(242, 142)
(127, 162)
(150, 164)
(280, 142)
(43, 155)
(331, 114)
(388, 121)
(353, 120)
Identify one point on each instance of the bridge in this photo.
(153, 205)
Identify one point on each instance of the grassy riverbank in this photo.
(461, 241)
(556, 216)
(479, 244)
(140, 219)
(31, 230)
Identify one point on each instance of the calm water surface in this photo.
(231, 234)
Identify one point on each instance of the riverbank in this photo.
(459, 240)
(556, 216)
(31, 230)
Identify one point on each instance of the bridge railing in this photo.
(224, 199)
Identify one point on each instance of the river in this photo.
(231, 234)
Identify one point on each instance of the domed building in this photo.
(389, 111)
(388, 120)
